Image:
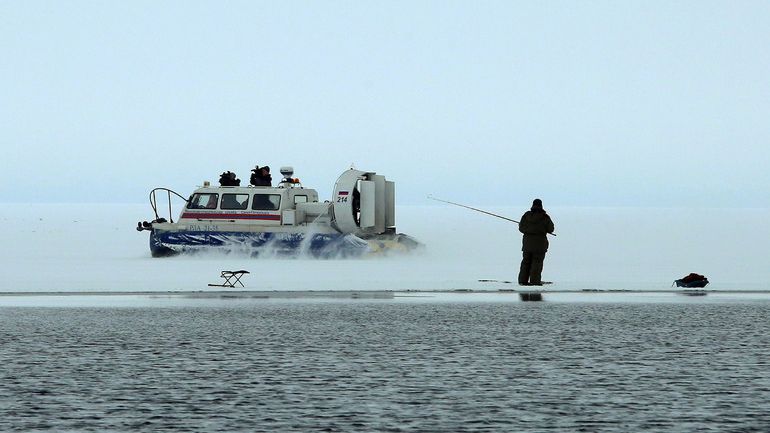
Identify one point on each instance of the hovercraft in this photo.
(283, 221)
(692, 281)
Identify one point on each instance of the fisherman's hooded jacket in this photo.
(535, 224)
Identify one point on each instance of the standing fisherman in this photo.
(535, 224)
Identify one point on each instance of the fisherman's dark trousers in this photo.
(531, 268)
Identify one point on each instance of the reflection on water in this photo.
(387, 366)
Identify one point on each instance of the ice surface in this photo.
(79, 247)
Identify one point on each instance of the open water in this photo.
(361, 366)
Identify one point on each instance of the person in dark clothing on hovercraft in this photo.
(261, 176)
(229, 178)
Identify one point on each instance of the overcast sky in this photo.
(590, 103)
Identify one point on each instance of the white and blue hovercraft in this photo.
(283, 221)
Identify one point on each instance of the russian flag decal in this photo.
(343, 193)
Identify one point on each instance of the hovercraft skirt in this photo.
(325, 246)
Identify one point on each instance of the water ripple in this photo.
(378, 366)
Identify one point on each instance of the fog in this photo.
(601, 103)
(62, 248)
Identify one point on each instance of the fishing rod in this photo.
(430, 196)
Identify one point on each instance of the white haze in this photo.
(55, 248)
(599, 103)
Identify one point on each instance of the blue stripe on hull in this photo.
(325, 246)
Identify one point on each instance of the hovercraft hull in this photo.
(267, 244)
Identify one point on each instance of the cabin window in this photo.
(266, 202)
(203, 201)
(235, 201)
(300, 199)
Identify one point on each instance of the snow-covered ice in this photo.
(90, 247)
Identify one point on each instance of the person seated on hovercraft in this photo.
(261, 176)
(229, 179)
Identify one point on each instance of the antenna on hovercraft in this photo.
(288, 181)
